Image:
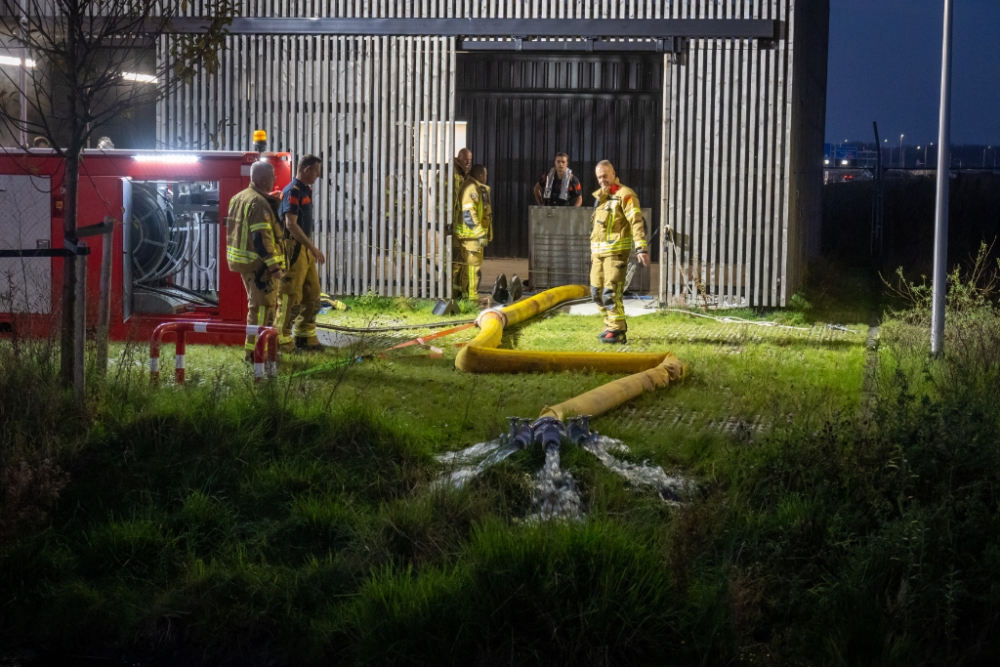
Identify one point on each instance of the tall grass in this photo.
(275, 525)
(41, 429)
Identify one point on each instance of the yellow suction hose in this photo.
(611, 395)
(649, 371)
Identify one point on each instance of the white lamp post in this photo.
(941, 214)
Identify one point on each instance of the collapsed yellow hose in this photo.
(611, 395)
(479, 356)
(492, 322)
(486, 360)
(648, 371)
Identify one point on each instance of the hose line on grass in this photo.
(481, 355)
(647, 371)
(420, 325)
(400, 327)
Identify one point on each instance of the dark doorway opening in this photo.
(523, 108)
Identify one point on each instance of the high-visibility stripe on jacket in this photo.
(253, 233)
(459, 174)
(616, 222)
(477, 212)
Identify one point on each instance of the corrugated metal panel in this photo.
(737, 190)
(560, 249)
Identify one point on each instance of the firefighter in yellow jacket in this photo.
(473, 231)
(616, 225)
(460, 167)
(254, 247)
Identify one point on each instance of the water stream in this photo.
(555, 494)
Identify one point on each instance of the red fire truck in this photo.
(168, 244)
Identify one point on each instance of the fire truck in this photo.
(161, 215)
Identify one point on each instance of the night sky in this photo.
(885, 65)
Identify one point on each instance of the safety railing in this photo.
(265, 353)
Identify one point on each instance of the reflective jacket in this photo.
(459, 174)
(477, 212)
(253, 235)
(617, 222)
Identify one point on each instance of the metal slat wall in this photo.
(377, 110)
(727, 137)
(382, 206)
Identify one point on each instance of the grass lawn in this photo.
(297, 522)
(741, 378)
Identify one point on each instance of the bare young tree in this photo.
(77, 73)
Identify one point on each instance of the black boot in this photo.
(613, 337)
(516, 289)
(500, 293)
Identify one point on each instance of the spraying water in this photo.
(555, 494)
(472, 461)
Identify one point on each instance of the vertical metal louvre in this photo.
(380, 111)
(377, 110)
(727, 130)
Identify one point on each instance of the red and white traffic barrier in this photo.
(265, 353)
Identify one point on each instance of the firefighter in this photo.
(616, 225)
(254, 248)
(460, 171)
(473, 231)
(298, 300)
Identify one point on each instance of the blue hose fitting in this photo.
(520, 432)
(548, 431)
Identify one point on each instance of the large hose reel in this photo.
(165, 242)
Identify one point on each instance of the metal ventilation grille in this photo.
(559, 248)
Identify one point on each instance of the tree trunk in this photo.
(67, 353)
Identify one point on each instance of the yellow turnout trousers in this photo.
(607, 283)
(468, 268)
(262, 296)
(298, 300)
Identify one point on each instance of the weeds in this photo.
(967, 291)
(296, 523)
(42, 429)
